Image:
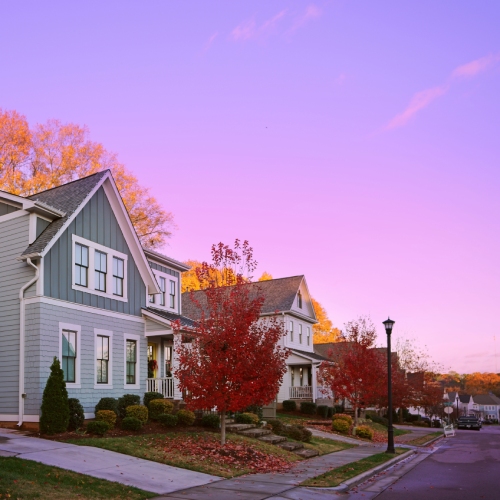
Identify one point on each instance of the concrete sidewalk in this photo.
(104, 464)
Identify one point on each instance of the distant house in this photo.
(484, 406)
(289, 300)
(464, 403)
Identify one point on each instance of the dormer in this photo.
(168, 274)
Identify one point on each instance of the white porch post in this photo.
(314, 382)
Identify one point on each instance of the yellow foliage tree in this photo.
(53, 153)
(482, 383)
(265, 276)
(323, 331)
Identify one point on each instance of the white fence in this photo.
(164, 385)
(301, 392)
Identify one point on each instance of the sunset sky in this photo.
(357, 143)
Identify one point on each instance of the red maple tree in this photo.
(356, 369)
(233, 359)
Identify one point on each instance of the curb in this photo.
(431, 441)
(364, 475)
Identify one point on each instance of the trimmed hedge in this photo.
(125, 401)
(76, 415)
(138, 411)
(363, 431)
(107, 404)
(99, 427)
(167, 420)
(340, 425)
(322, 411)
(255, 409)
(210, 420)
(331, 412)
(159, 407)
(54, 416)
(343, 416)
(297, 432)
(149, 396)
(131, 424)
(276, 425)
(289, 405)
(185, 417)
(308, 408)
(107, 416)
(246, 418)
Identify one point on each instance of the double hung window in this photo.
(300, 333)
(291, 331)
(308, 335)
(102, 359)
(81, 265)
(69, 354)
(163, 286)
(172, 294)
(131, 361)
(101, 269)
(118, 276)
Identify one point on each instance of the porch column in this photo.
(314, 382)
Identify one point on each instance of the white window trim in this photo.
(308, 334)
(291, 330)
(137, 338)
(104, 333)
(78, 329)
(110, 253)
(300, 333)
(156, 303)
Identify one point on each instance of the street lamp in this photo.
(388, 324)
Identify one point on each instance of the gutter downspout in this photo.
(22, 336)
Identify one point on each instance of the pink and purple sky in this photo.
(357, 143)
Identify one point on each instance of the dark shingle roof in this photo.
(312, 355)
(484, 399)
(279, 295)
(66, 198)
(171, 316)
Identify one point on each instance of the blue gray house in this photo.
(76, 283)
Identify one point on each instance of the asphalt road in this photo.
(466, 466)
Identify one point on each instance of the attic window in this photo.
(299, 299)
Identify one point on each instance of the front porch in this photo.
(163, 385)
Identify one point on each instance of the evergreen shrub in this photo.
(289, 405)
(276, 425)
(167, 420)
(159, 407)
(138, 411)
(363, 431)
(322, 411)
(108, 416)
(210, 420)
(107, 404)
(341, 426)
(246, 418)
(76, 415)
(125, 401)
(131, 424)
(54, 416)
(185, 417)
(297, 432)
(99, 427)
(149, 396)
(343, 416)
(308, 408)
(331, 412)
(255, 409)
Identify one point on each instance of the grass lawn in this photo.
(341, 474)
(24, 479)
(200, 451)
(324, 445)
(381, 428)
(425, 438)
(292, 418)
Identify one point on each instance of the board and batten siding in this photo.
(13, 275)
(42, 344)
(95, 222)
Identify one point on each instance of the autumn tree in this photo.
(265, 276)
(233, 359)
(482, 383)
(323, 331)
(53, 153)
(355, 367)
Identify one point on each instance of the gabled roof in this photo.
(310, 355)
(66, 198)
(167, 261)
(279, 295)
(485, 399)
(170, 317)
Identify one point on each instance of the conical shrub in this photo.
(54, 416)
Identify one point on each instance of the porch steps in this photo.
(272, 439)
(291, 446)
(255, 433)
(239, 427)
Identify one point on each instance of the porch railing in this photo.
(164, 385)
(301, 392)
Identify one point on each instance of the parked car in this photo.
(471, 423)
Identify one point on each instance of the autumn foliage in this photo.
(233, 359)
(33, 159)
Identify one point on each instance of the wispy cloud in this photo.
(312, 12)
(270, 24)
(424, 98)
(245, 30)
(210, 41)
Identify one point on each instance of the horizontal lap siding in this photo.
(96, 222)
(42, 330)
(13, 275)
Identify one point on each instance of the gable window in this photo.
(102, 359)
(299, 300)
(291, 331)
(163, 287)
(69, 353)
(101, 269)
(81, 265)
(118, 276)
(308, 335)
(172, 294)
(131, 357)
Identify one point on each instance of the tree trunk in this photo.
(355, 416)
(401, 415)
(223, 428)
